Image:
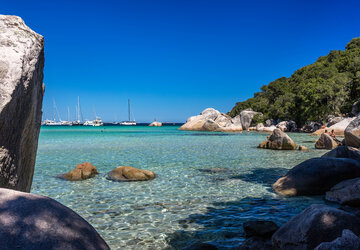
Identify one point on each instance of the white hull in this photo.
(128, 123)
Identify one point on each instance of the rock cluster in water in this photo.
(22, 89)
(212, 120)
(278, 140)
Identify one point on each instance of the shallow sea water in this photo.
(185, 203)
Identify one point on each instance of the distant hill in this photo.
(327, 87)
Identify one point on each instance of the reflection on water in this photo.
(206, 186)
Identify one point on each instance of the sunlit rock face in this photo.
(21, 94)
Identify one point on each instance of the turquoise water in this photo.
(185, 203)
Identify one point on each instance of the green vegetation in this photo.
(327, 87)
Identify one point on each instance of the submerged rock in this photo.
(316, 224)
(200, 246)
(352, 133)
(81, 172)
(347, 241)
(302, 148)
(215, 170)
(260, 228)
(21, 94)
(346, 192)
(344, 152)
(326, 142)
(29, 221)
(126, 173)
(316, 176)
(278, 140)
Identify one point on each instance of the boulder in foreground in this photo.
(81, 172)
(126, 173)
(326, 142)
(316, 224)
(278, 140)
(346, 192)
(29, 221)
(347, 241)
(352, 133)
(21, 94)
(316, 176)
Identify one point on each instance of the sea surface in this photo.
(186, 202)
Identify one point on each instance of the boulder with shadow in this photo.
(347, 241)
(279, 141)
(29, 221)
(81, 172)
(346, 193)
(316, 176)
(126, 173)
(352, 133)
(316, 224)
(326, 142)
(344, 152)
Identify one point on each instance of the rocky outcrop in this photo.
(29, 221)
(352, 133)
(246, 117)
(310, 127)
(155, 124)
(212, 120)
(81, 172)
(21, 94)
(316, 224)
(346, 192)
(287, 126)
(270, 122)
(339, 128)
(334, 120)
(344, 152)
(278, 140)
(326, 142)
(126, 173)
(316, 176)
(347, 241)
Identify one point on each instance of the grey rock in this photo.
(334, 120)
(210, 125)
(259, 126)
(270, 122)
(326, 142)
(22, 89)
(210, 113)
(246, 117)
(311, 127)
(352, 133)
(347, 241)
(355, 108)
(279, 141)
(316, 176)
(29, 221)
(316, 224)
(346, 192)
(344, 152)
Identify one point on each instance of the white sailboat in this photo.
(128, 122)
(77, 122)
(96, 123)
(54, 122)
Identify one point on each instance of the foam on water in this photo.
(185, 203)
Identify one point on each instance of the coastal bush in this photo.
(327, 87)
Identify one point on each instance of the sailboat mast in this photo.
(128, 109)
(68, 113)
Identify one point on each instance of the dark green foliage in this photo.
(329, 86)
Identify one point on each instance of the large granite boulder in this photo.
(246, 117)
(316, 224)
(21, 94)
(81, 172)
(278, 140)
(352, 133)
(326, 142)
(344, 152)
(334, 120)
(260, 228)
(347, 241)
(29, 221)
(346, 192)
(210, 113)
(126, 173)
(316, 176)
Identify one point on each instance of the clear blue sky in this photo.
(175, 58)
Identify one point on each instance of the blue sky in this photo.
(175, 58)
